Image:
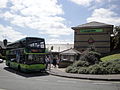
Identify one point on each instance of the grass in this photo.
(111, 57)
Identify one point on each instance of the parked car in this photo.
(64, 63)
(1, 60)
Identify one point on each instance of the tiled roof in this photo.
(93, 24)
(70, 51)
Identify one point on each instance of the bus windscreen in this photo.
(36, 46)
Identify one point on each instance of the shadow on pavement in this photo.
(27, 75)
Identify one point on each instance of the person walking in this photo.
(54, 62)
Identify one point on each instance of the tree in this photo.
(116, 38)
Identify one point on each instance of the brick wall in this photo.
(101, 40)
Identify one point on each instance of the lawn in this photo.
(111, 57)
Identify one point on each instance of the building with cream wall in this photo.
(93, 35)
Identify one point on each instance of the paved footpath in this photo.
(62, 73)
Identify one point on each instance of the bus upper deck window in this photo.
(42, 45)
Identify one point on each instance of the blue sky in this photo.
(53, 19)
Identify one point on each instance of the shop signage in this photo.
(91, 30)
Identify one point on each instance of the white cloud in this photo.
(36, 7)
(3, 3)
(7, 15)
(10, 34)
(41, 15)
(86, 2)
(104, 15)
(58, 41)
(82, 2)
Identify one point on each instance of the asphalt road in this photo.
(13, 80)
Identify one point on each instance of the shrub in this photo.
(81, 64)
(116, 60)
(91, 57)
(110, 67)
(114, 67)
(82, 70)
(78, 65)
(69, 69)
(98, 55)
(89, 63)
(93, 69)
(105, 64)
(96, 69)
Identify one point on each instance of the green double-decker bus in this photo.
(27, 54)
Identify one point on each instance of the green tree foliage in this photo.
(87, 58)
(90, 63)
(116, 38)
(81, 64)
(91, 57)
(109, 67)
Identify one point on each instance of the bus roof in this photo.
(24, 39)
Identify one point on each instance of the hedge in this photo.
(110, 67)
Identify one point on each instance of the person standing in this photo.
(47, 61)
